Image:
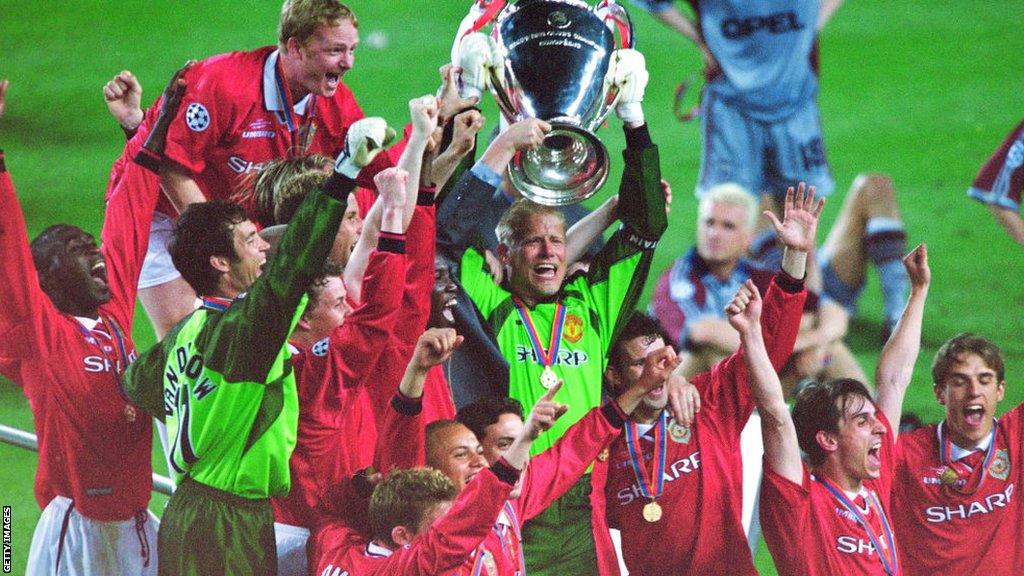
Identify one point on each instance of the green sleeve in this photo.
(478, 283)
(617, 276)
(246, 341)
(143, 381)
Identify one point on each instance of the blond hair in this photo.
(404, 497)
(301, 18)
(513, 226)
(732, 194)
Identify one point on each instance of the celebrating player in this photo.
(65, 338)
(552, 328)
(664, 464)
(954, 505)
(833, 518)
(245, 109)
(222, 379)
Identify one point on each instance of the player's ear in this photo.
(827, 441)
(401, 535)
(504, 254)
(940, 393)
(220, 263)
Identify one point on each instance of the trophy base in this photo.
(569, 167)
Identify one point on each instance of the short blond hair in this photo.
(512, 227)
(300, 18)
(404, 497)
(732, 194)
(280, 179)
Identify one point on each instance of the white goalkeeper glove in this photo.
(628, 71)
(478, 56)
(365, 139)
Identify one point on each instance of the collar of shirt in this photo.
(377, 551)
(271, 94)
(89, 323)
(959, 452)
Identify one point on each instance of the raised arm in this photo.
(388, 215)
(896, 364)
(123, 96)
(401, 436)
(781, 449)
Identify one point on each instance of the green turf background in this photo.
(921, 90)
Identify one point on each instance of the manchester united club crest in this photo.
(679, 433)
(1000, 467)
(573, 330)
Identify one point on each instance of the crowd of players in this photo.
(374, 359)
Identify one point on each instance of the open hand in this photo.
(799, 226)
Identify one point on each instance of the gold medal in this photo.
(949, 477)
(548, 378)
(652, 511)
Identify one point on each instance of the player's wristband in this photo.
(788, 283)
(339, 186)
(426, 196)
(505, 472)
(406, 406)
(391, 242)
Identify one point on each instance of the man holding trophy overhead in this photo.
(555, 60)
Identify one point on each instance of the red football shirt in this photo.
(94, 447)
(945, 532)
(701, 530)
(808, 530)
(337, 431)
(234, 118)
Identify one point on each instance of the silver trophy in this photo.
(556, 55)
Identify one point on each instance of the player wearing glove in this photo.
(231, 405)
(481, 61)
(627, 73)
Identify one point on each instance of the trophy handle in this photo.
(617, 20)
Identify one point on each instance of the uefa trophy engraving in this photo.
(556, 55)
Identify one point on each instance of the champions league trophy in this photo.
(556, 55)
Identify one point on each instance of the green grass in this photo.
(921, 90)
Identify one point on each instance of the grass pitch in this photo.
(922, 91)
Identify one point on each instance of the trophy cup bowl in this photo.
(556, 56)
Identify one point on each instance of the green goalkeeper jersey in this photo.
(222, 379)
(596, 304)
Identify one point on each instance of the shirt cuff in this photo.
(485, 173)
(405, 405)
(788, 283)
(391, 242)
(505, 472)
(426, 196)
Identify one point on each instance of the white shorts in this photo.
(291, 549)
(158, 268)
(66, 543)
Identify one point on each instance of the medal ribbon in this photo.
(890, 563)
(649, 489)
(545, 358)
(118, 337)
(974, 479)
(518, 560)
(300, 136)
(216, 303)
